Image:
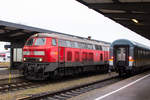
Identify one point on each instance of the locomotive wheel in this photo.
(25, 72)
(55, 74)
(129, 73)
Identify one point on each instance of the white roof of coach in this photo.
(129, 42)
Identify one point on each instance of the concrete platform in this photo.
(134, 88)
(4, 73)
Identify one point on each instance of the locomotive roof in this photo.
(71, 38)
(129, 42)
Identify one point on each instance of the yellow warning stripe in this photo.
(131, 60)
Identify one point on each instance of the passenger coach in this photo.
(127, 56)
(46, 55)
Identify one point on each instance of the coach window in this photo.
(54, 43)
(138, 52)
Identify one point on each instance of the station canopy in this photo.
(11, 32)
(133, 14)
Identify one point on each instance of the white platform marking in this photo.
(3, 68)
(108, 94)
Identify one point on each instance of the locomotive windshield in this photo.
(40, 41)
(30, 42)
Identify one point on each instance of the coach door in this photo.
(121, 55)
(61, 54)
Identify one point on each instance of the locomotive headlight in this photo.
(130, 58)
(112, 57)
(40, 59)
(24, 59)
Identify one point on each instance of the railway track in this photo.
(19, 83)
(16, 84)
(64, 94)
(12, 80)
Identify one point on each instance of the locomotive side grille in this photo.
(39, 53)
(32, 59)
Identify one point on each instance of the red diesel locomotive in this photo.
(52, 54)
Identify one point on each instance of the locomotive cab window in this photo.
(40, 41)
(30, 42)
(54, 43)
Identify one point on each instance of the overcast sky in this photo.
(66, 16)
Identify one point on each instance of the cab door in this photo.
(61, 53)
